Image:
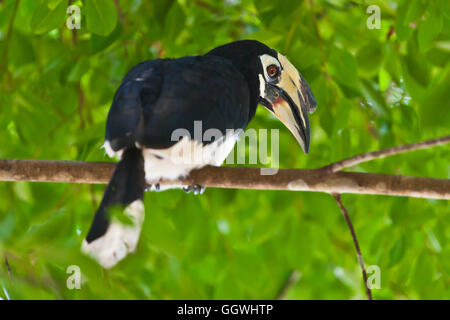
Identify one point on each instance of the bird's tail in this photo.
(108, 240)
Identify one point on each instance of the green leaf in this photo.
(402, 27)
(297, 248)
(78, 70)
(424, 272)
(374, 97)
(101, 16)
(326, 121)
(438, 57)
(409, 14)
(174, 22)
(435, 102)
(384, 79)
(369, 58)
(23, 191)
(342, 115)
(428, 31)
(21, 49)
(434, 242)
(159, 10)
(444, 6)
(52, 4)
(98, 43)
(397, 251)
(45, 19)
(416, 9)
(343, 66)
(417, 66)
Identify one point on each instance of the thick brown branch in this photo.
(337, 166)
(344, 211)
(238, 178)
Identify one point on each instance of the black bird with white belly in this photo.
(159, 107)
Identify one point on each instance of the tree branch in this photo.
(337, 166)
(8, 268)
(290, 281)
(238, 177)
(344, 211)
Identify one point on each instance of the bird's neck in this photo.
(253, 85)
(246, 65)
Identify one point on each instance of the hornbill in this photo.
(220, 90)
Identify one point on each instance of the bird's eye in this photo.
(272, 71)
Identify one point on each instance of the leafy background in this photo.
(375, 88)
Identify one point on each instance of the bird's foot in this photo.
(196, 189)
(152, 187)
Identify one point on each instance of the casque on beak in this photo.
(290, 99)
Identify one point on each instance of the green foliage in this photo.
(101, 16)
(375, 88)
(47, 17)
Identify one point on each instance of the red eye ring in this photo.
(272, 71)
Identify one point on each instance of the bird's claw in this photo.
(196, 189)
(152, 187)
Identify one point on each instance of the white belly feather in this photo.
(177, 161)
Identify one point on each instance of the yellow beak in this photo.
(290, 100)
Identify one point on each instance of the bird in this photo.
(158, 106)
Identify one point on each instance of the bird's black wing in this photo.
(158, 97)
(204, 88)
(140, 87)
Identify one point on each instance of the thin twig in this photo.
(74, 30)
(337, 166)
(291, 280)
(120, 14)
(8, 268)
(344, 211)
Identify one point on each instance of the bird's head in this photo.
(277, 84)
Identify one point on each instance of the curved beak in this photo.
(290, 100)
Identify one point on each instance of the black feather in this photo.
(127, 185)
(158, 97)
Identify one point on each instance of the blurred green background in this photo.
(375, 88)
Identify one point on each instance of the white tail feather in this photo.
(119, 240)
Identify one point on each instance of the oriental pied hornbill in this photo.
(221, 89)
